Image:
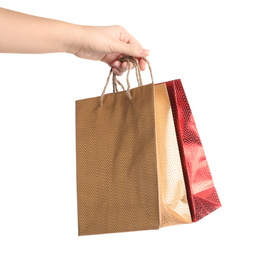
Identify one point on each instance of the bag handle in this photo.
(137, 69)
(129, 60)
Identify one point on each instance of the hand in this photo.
(107, 44)
(23, 33)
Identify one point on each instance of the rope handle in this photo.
(129, 60)
(137, 69)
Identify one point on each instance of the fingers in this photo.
(130, 39)
(142, 64)
(119, 68)
(130, 49)
(127, 44)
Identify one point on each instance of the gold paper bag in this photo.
(173, 202)
(129, 174)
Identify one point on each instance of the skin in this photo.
(24, 33)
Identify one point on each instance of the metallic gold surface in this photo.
(173, 204)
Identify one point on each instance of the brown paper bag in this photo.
(129, 174)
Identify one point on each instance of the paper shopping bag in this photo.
(129, 172)
(201, 192)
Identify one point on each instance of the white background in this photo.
(221, 52)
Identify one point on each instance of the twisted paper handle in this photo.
(129, 60)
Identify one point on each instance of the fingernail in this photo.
(144, 52)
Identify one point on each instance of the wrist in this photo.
(74, 38)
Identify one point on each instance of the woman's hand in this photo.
(23, 33)
(107, 44)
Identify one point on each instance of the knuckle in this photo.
(120, 27)
(131, 47)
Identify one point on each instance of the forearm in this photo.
(23, 33)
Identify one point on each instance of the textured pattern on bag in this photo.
(116, 163)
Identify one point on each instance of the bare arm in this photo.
(24, 33)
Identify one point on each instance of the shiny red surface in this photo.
(201, 192)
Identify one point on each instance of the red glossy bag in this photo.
(201, 192)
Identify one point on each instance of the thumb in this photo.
(131, 49)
